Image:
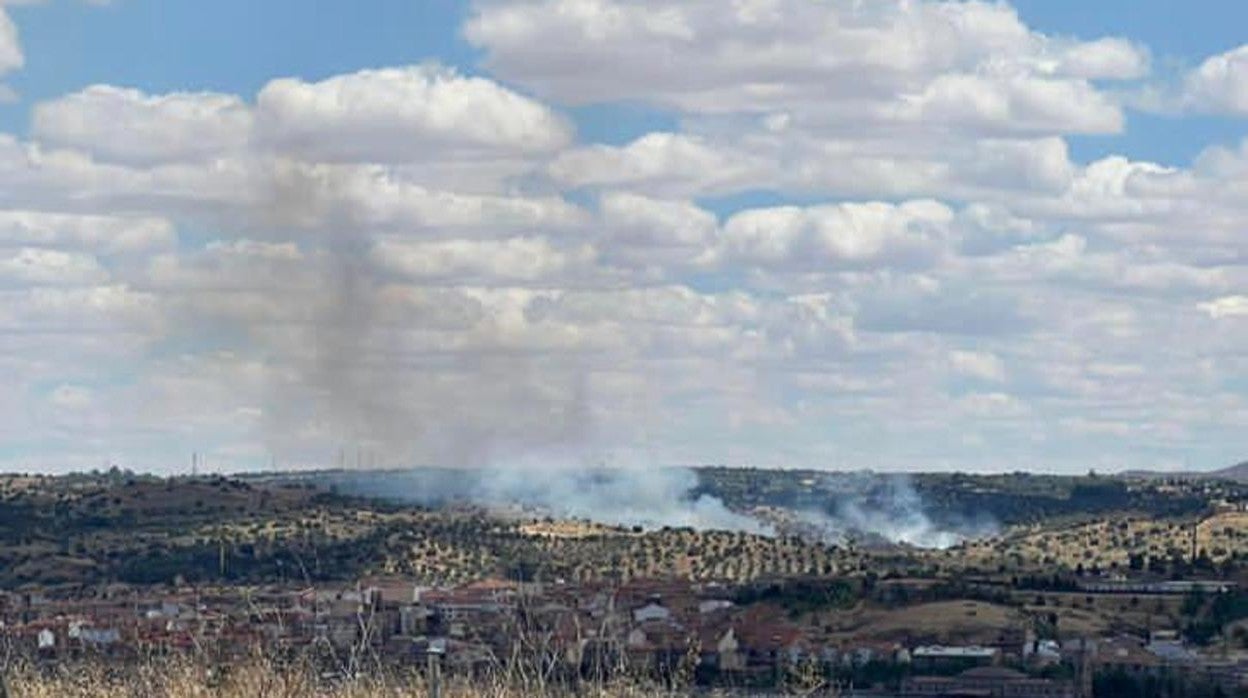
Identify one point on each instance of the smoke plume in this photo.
(362, 368)
(359, 367)
(889, 508)
(868, 509)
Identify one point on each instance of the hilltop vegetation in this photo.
(118, 527)
(1008, 499)
(87, 530)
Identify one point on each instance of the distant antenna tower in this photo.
(195, 465)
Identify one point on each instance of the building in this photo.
(987, 682)
(942, 658)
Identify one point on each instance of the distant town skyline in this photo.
(898, 235)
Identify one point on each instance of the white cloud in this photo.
(110, 234)
(398, 115)
(989, 104)
(11, 57)
(657, 223)
(663, 164)
(1226, 307)
(866, 58)
(376, 198)
(129, 127)
(1109, 58)
(976, 364)
(727, 160)
(515, 260)
(913, 234)
(72, 397)
(1220, 84)
(432, 265)
(78, 310)
(663, 235)
(34, 266)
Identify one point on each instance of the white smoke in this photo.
(650, 498)
(888, 508)
(863, 508)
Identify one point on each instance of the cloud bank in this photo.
(858, 239)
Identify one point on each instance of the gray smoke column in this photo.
(376, 372)
(364, 368)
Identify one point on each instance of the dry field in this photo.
(1110, 543)
(188, 679)
(948, 622)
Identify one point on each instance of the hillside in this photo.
(1238, 473)
(117, 527)
(85, 530)
(1235, 473)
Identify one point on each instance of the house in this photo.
(90, 637)
(864, 652)
(940, 657)
(714, 605)
(1168, 646)
(769, 642)
(1126, 655)
(987, 682)
(651, 612)
(46, 640)
(1042, 652)
(721, 649)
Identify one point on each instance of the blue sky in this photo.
(593, 229)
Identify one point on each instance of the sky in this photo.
(897, 235)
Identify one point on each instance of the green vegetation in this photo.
(953, 498)
(85, 530)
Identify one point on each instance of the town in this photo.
(766, 635)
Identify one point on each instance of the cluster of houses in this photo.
(651, 626)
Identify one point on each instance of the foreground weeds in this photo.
(258, 678)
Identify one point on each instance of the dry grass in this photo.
(946, 622)
(1110, 541)
(185, 678)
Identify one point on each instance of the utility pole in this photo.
(221, 552)
(1195, 531)
(434, 657)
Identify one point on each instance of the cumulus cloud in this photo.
(660, 163)
(975, 364)
(516, 260)
(1219, 84)
(862, 232)
(1226, 307)
(33, 266)
(71, 397)
(110, 234)
(130, 127)
(10, 49)
(397, 115)
(772, 56)
(846, 235)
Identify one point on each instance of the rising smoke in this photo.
(651, 498)
(364, 368)
(361, 368)
(889, 508)
(866, 509)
